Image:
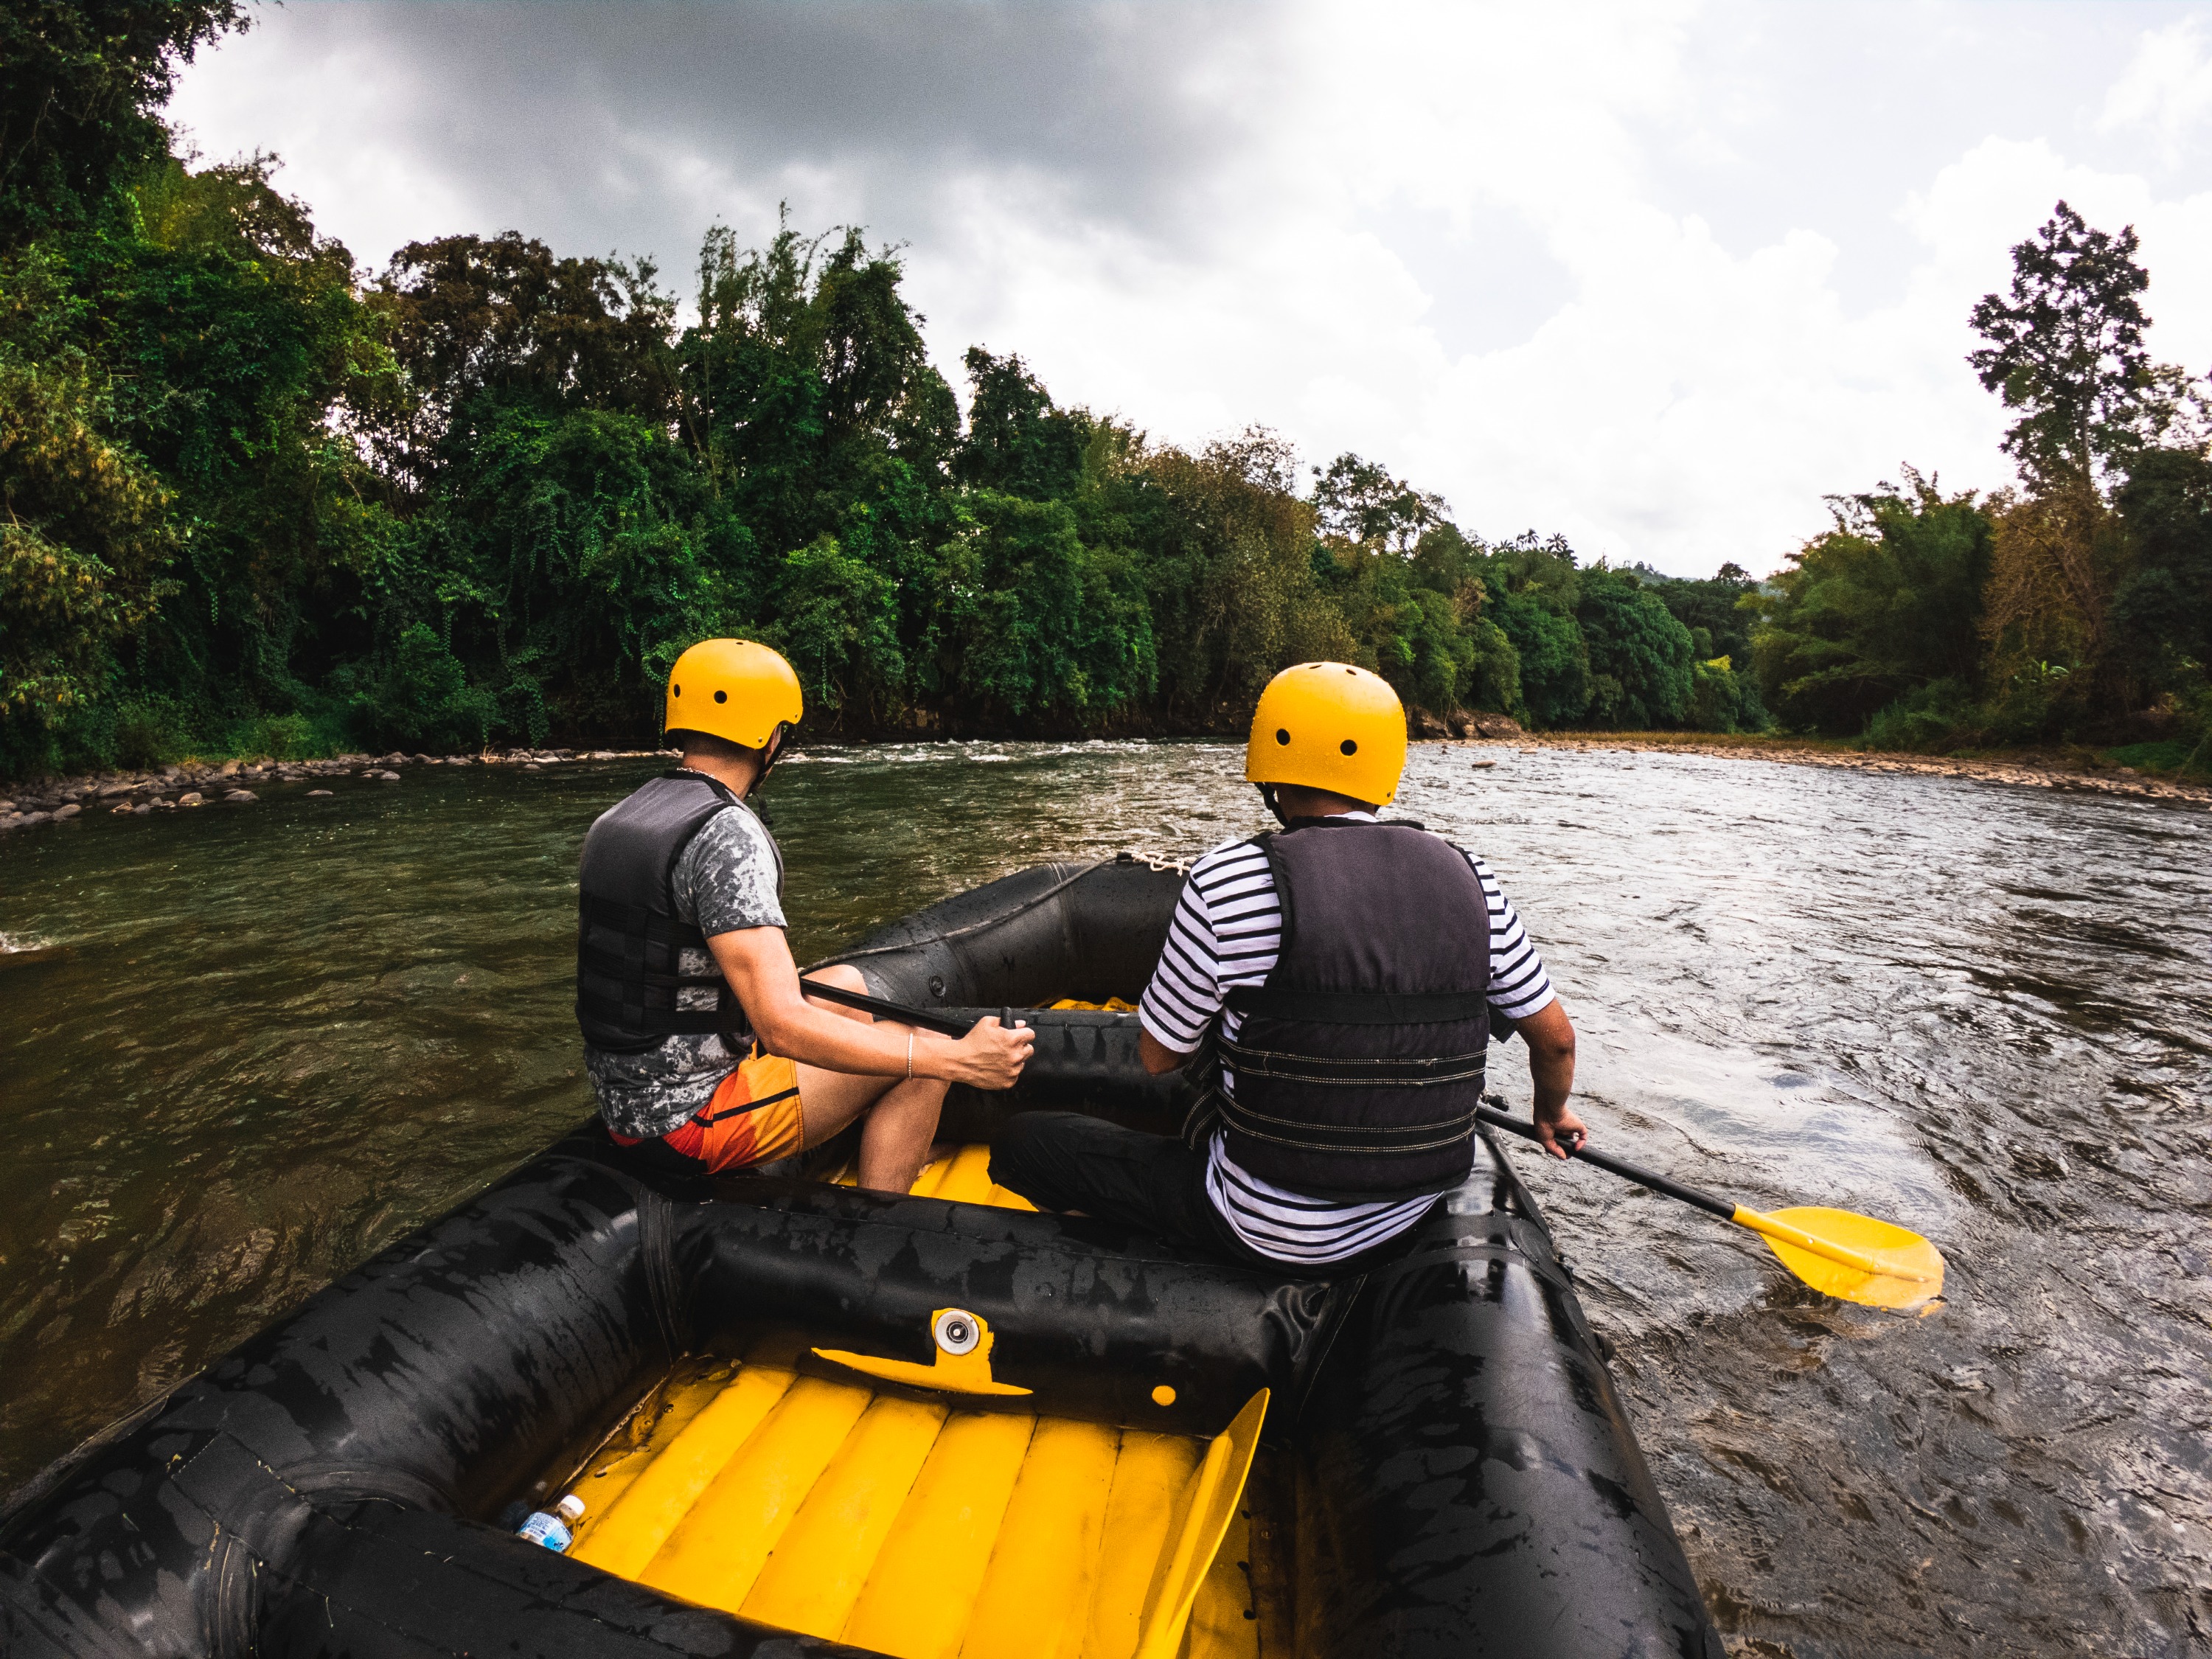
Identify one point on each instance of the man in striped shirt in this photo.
(1227, 936)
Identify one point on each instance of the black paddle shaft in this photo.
(867, 1005)
(1620, 1166)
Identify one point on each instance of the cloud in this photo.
(1657, 276)
(2167, 89)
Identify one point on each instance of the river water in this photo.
(244, 1047)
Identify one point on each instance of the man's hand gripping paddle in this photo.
(1852, 1257)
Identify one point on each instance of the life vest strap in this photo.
(1359, 1007)
(1362, 1071)
(1373, 1140)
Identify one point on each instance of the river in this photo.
(245, 1047)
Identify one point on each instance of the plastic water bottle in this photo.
(554, 1530)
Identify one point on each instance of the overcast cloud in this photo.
(1657, 275)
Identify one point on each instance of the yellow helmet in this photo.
(1328, 726)
(733, 690)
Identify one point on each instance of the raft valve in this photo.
(957, 1331)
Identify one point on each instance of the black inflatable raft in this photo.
(805, 1419)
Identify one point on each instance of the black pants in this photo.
(1066, 1160)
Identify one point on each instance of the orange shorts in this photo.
(752, 1119)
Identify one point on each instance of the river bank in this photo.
(232, 783)
(2032, 769)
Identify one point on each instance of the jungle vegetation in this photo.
(253, 499)
(2076, 606)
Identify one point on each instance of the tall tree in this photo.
(2164, 608)
(80, 81)
(2066, 350)
(1019, 440)
(504, 318)
(1640, 656)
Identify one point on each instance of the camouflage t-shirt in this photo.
(726, 880)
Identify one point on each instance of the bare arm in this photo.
(756, 961)
(1551, 1039)
(1158, 1058)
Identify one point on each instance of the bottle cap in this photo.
(570, 1508)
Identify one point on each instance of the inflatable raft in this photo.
(806, 1420)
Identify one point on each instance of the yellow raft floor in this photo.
(912, 1527)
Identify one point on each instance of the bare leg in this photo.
(902, 1112)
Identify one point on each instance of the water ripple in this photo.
(247, 1047)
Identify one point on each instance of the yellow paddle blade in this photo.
(1208, 1505)
(1854, 1258)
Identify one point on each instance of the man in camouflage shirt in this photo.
(698, 1042)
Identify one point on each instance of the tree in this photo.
(1356, 501)
(1639, 655)
(562, 556)
(225, 339)
(2065, 349)
(83, 539)
(1037, 623)
(1226, 551)
(79, 83)
(2162, 612)
(1886, 606)
(1533, 585)
(478, 322)
(1019, 440)
(838, 621)
(1712, 609)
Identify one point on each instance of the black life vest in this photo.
(630, 942)
(1357, 1066)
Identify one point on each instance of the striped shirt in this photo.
(1228, 932)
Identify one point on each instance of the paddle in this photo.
(877, 1005)
(1852, 1257)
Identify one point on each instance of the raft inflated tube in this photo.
(1443, 1469)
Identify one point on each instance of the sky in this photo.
(1658, 276)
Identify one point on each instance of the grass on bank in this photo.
(2175, 759)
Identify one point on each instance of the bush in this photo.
(1722, 700)
(285, 737)
(2189, 757)
(1934, 716)
(147, 730)
(418, 698)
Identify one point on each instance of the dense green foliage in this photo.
(251, 500)
(1884, 608)
(80, 82)
(2076, 608)
(255, 502)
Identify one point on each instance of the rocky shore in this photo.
(232, 783)
(2030, 770)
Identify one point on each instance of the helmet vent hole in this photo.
(675, 690)
(1349, 747)
(723, 696)
(1282, 735)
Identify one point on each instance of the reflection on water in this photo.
(245, 1047)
